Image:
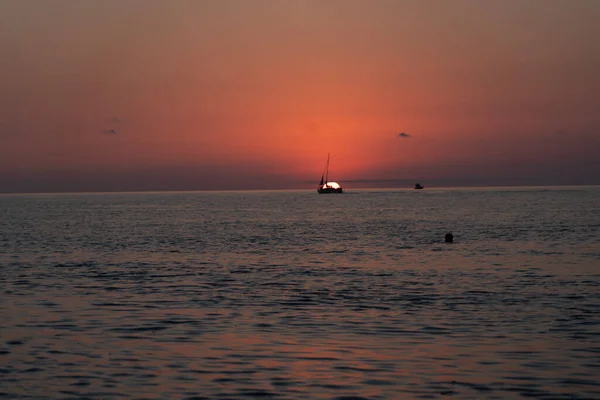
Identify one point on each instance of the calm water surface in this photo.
(295, 295)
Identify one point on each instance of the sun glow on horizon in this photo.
(333, 185)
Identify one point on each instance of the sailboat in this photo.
(328, 187)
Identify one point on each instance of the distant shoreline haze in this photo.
(265, 177)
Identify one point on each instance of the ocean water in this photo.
(295, 295)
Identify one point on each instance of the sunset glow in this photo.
(333, 185)
(150, 94)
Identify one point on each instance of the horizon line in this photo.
(491, 186)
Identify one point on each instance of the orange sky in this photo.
(242, 94)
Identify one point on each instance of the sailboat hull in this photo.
(323, 190)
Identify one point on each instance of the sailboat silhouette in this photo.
(328, 187)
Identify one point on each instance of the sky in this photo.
(120, 95)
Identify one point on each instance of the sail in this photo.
(325, 173)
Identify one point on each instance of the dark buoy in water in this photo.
(449, 238)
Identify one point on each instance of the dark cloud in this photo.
(403, 135)
(110, 132)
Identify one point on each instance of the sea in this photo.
(296, 295)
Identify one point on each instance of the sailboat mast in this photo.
(327, 169)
